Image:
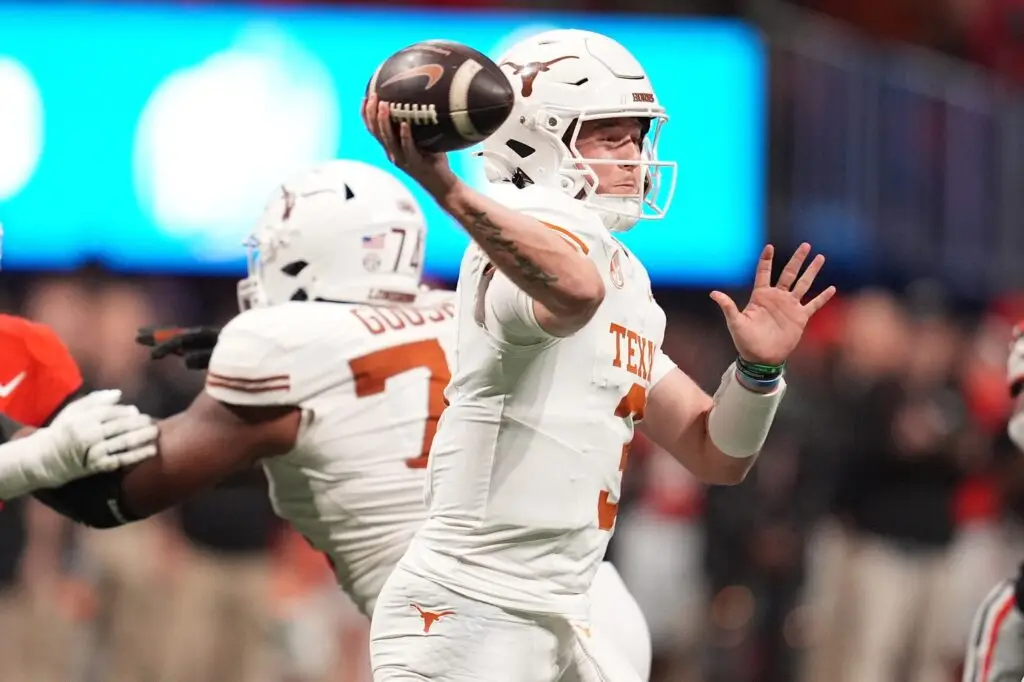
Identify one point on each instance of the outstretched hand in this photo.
(771, 325)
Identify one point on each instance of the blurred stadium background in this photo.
(138, 142)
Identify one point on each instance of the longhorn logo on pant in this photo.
(529, 72)
(431, 617)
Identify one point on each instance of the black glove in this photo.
(195, 344)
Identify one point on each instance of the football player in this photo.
(995, 650)
(558, 358)
(90, 435)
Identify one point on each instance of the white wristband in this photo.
(740, 418)
(30, 463)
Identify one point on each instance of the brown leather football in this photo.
(451, 95)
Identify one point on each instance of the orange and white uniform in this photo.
(370, 382)
(527, 464)
(526, 469)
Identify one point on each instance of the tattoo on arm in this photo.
(491, 234)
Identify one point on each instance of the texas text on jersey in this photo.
(525, 521)
(370, 383)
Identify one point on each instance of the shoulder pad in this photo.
(257, 361)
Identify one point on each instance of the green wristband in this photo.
(758, 372)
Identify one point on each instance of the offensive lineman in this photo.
(558, 355)
(332, 375)
(995, 650)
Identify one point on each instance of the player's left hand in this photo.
(194, 344)
(769, 328)
(431, 170)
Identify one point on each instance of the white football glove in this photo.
(91, 435)
(94, 434)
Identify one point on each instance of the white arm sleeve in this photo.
(508, 312)
(740, 419)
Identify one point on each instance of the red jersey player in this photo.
(38, 378)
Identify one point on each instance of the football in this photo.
(451, 95)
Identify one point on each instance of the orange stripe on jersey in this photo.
(268, 388)
(570, 237)
(278, 382)
(255, 380)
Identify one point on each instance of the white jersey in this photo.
(526, 468)
(370, 382)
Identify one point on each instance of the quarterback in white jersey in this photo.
(558, 358)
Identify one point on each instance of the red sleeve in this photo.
(37, 373)
(57, 377)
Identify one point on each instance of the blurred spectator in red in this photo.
(925, 22)
(995, 35)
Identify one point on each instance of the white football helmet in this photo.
(342, 231)
(563, 78)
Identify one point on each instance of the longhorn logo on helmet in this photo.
(529, 71)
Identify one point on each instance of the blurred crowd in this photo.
(988, 32)
(886, 503)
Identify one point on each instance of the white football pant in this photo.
(421, 631)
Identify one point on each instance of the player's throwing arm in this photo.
(563, 283)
